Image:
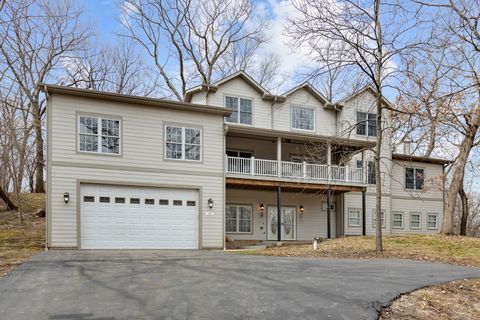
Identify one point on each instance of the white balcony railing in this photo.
(286, 169)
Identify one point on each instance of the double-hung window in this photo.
(366, 124)
(432, 221)
(414, 178)
(374, 220)
(397, 220)
(183, 143)
(415, 220)
(303, 118)
(98, 134)
(354, 218)
(238, 218)
(241, 110)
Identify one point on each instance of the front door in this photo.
(288, 223)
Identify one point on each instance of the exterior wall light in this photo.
(66, 197)
(210, 203)
(301, 209)
(262, 209)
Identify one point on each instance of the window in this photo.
(371, 174)
(149, 201)
(303, 118)
(354, 218)
(191, 203)
(163, 202)
(119, 200)
(238, 218)
(88, 199)
(374, 220)
(414, 178)
(105, 199)
(366, 124)
(177, 202)
(415, 220)
(105, 139)
(135, 200)
(183, 143)
(397, 220)
(242, 110)
(432, 221)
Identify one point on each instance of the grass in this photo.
(18, 242)
(434, 248)
(454, 300)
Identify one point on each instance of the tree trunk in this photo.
(464, 219)
(39, 165)
(458, 174)
(4, 196)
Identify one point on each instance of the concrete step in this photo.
(254, 247)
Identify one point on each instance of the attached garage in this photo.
(125, 217)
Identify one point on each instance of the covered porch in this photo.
(307, 210)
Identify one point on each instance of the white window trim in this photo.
(414, 179)
(314, 118)
(183, 143)
(419, 221)
(237, 220)
(99, 134)
(367, 124)
(359, 217)
(238, 109)
(374, 225)
(436, 221)
(393, 219)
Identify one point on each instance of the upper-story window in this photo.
(98, 134)
(303, 118)
(241, 110)
(366, 124)
(183, 143)
(414, 178)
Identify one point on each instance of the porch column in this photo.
(279, 214)
(329, 201)
(364, 212)
(279, 156)
(329, 161)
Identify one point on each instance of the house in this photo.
(136, 172)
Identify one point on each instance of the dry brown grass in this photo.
(457, 300)
(18, 242)
(435, 248)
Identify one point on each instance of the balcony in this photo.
(307, 172)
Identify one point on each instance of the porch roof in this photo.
(242, 131)
(271, 185)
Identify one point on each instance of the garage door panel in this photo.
(149, 224)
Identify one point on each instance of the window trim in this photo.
(393, 219)
(436, 220)
(367, 124)
(414, 179)
(419, 220)
(237, 220)
(384, 222)
(99, 118)
(359, 217)
(314, 118)
(183, 127)
(238, 109)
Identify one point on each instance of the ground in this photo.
(207, 284)
(18, 242)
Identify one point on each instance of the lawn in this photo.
(18, 242)
(454, 300)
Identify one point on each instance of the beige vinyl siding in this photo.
(238, 88)
(141, 162)
(324, 119)
(433, 184)
(312, 224)
(424, 207)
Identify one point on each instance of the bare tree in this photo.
(366, 35)
(36, 37)
(186, 39)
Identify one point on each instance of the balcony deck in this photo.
(293, 172)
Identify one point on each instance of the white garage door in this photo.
(118, 217)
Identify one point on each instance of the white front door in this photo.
(288, 223)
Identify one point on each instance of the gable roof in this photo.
(314, 92)
(266, 95)
(369, 88)
(137, 100)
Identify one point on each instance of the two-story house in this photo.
(135, 172)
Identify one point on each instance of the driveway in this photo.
(208, 285)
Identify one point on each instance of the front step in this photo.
(254, 247)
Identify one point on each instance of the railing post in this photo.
(304, 169)
(252, 166)
(346, 173)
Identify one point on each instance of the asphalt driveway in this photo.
(208, 285)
